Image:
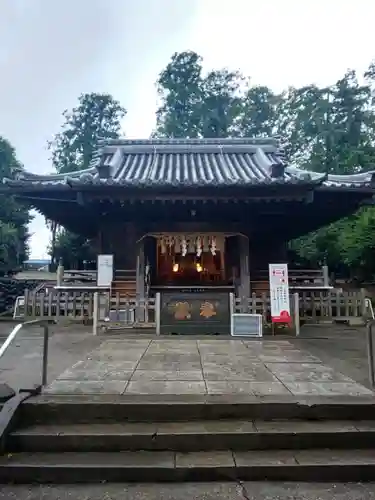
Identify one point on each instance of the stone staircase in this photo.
(88, 439)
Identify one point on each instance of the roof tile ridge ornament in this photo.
(275, 169)
(280, 147)
(99, 161)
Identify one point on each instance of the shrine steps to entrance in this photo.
(124, 284)
(124, 289)
(89, 439)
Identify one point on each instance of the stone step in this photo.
(138, 408)
(168, 466)
(193, 436)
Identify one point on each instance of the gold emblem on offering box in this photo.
(182, 310)
(207, 310)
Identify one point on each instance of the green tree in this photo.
(196, 105)
(73, 250)
(97, 117)
(260, 111)
(14, 217)
(179, 88)
(332, 131)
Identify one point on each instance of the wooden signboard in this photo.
(195, 313)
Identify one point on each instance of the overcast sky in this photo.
(53, 50)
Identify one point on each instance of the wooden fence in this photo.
(314, 306)
(129, 313)
(106, 312)
(85, 307)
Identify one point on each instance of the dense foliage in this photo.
(97, 116)
(14, 217)
(328, 129)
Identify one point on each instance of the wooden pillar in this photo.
(244, 269)
(140, 279)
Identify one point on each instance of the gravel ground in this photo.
(192, 491)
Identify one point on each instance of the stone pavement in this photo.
(186, 365)
(21, 365)
(322, 359)
(193, 491)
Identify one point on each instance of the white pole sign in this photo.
(105, 270)
(279, 293)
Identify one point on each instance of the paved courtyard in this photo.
(323, 361)
(185, 365)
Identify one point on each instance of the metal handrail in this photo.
(368, 304)
(13, 334)
(370, 342)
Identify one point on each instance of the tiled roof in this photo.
(191, 163)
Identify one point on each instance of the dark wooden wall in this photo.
(120, 239)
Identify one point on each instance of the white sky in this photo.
(50, 52)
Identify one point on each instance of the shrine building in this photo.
(180, 213)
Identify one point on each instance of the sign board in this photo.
(279, 293)
(246, 325)
(105, 270)
(194, 313)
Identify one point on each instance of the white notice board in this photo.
(279, 293)
(246, 325)
(105, 270)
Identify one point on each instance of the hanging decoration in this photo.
(184, 246)
(199, 246)
(190, 243)
(170, 244)
(213, 245)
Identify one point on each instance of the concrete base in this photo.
(6, 392)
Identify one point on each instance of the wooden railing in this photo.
(124, 312)
(314, 306)
(297, 277)
(81, 306)
(77, 275)
(57, 305)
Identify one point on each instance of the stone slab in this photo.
(255, 373)
(365, 426)
(151, 375)
(285, 357)
(103, 366)
(263, 457)
(95, 375)
(246, 387)
(297, 427)
(341, 457)
(86, 387)
(327, 389)
(207, 427)
(306, 372)
(166, 387)
(205, 459)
